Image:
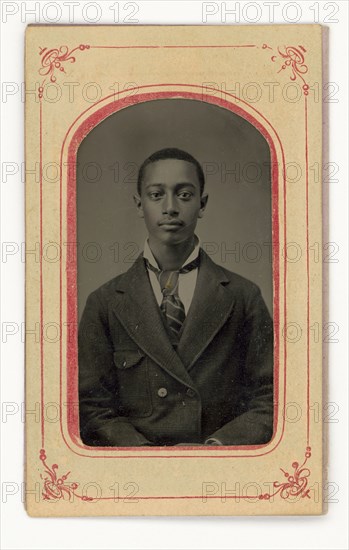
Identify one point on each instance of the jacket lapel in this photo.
(137, 310)
(211, 305)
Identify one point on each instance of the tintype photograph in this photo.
(174, 227)
(177, 290)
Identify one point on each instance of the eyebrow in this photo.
(181, 184)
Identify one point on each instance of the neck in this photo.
(171, 257)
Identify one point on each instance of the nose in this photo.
(169, 205)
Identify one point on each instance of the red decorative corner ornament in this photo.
(56, 488)
(292, 58)
(54, 59)
(296, 484)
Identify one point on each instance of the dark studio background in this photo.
(110, 235)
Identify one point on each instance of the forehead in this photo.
(171, 172)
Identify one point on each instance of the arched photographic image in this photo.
(175, 278)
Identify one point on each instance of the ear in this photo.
(138, 203)
(203, 202)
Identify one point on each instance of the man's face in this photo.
(170, 200)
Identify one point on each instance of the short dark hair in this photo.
(171, 153)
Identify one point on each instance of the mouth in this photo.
(171, 226)
(171, 223)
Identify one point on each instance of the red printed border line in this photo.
(84, 128)
(54, 59)
(293, 58)
(58, 488)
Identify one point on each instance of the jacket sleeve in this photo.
(99, 423)
(255, 425)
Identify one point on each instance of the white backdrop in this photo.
(18, 530)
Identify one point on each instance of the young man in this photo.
(177, 350)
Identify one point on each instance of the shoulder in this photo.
(126, 281)
(109, 286)
(239, 281)
(245, 293)
(108, 289)
(100, 301)
(235, 282)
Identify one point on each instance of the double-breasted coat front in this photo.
(136, 388)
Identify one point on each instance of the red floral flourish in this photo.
(292, 58)
(296, 484)
(56, 488)
(53, 59)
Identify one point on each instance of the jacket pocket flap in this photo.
(124, 359)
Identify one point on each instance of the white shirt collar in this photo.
(147, 253)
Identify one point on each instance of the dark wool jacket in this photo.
(135, 388)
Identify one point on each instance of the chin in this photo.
(171, 238)
(174, 238)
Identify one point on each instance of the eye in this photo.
(185, 195)
(154, 195)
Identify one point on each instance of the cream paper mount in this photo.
(261, 85)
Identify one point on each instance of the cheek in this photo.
(150, 213)
(192, 211)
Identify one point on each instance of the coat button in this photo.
(190, 392)
(162, 392)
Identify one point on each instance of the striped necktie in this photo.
(171, 305)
